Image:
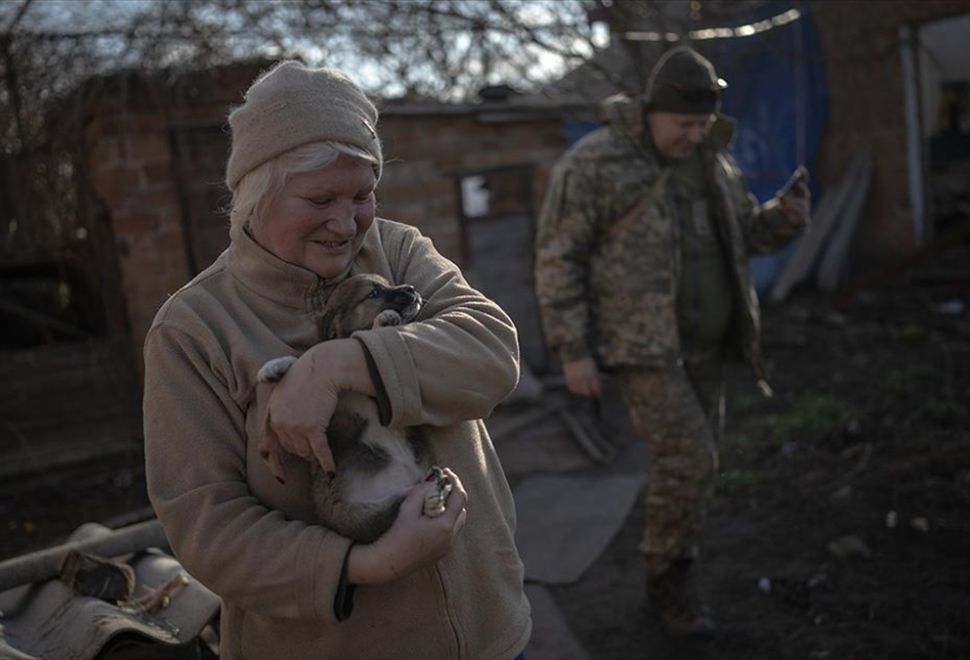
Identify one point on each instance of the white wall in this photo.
(944, 56)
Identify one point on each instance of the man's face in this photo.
(675, 135)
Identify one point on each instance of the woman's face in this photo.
(318, 220)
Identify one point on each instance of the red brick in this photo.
(150, 148)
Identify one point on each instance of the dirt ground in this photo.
(840, 526)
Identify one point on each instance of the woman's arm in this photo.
(301, 404)
(195, 450)
(459, 359)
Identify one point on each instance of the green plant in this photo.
(813, 413)
(735, 481)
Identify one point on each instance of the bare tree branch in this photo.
(21, 12)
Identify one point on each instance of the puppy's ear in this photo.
(329, 325)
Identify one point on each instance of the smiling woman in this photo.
(231, 458)
(317, 219)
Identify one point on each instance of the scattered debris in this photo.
(852, 429)
(842, 494)
(837, 319)
(864, 460)
(891, 519)
(590, 439)
(845, 547)
(825, 245)
(912, 333)
(161, 598)
(834, 265)
(953, 307)
(920, 524)
(820, 579)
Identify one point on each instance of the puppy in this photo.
(375, 466)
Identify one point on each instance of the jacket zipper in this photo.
(451, 621)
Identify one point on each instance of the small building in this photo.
(470, 176)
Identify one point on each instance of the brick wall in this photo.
(863, 66)
(128, 138)
(426, 156)
(135, 168)
(143, 140)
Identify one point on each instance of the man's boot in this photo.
(672, 595)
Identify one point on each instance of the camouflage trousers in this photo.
(679, 411)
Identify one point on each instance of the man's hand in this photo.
(582, 378)
(795, 198)
(414, 540)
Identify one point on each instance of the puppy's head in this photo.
(357, 301)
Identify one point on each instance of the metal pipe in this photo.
(46, 564)
(909, 47)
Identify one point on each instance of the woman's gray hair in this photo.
(259, 185)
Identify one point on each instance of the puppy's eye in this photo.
(375, 292)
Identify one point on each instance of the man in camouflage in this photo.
(642, 270)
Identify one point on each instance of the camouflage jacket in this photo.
(608, 261)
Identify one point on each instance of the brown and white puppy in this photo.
(376, 466)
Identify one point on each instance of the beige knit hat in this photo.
(292, 105)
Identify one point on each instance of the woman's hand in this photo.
(413, 541)
(301, 404)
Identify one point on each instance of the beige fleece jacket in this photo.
(252, 540)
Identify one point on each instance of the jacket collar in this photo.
(262, 272)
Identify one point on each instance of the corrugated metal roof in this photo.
(48, 619)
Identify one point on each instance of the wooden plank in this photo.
(810, 246)
(834, 264)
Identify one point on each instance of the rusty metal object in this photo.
(89, 575)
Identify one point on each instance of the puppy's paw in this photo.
(437, 499)
(386, 318)
(274, 370)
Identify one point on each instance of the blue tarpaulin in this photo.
(778, 94)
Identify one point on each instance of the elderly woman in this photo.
(304, 164)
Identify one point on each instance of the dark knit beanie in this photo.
(683, 81)
(292, 105)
